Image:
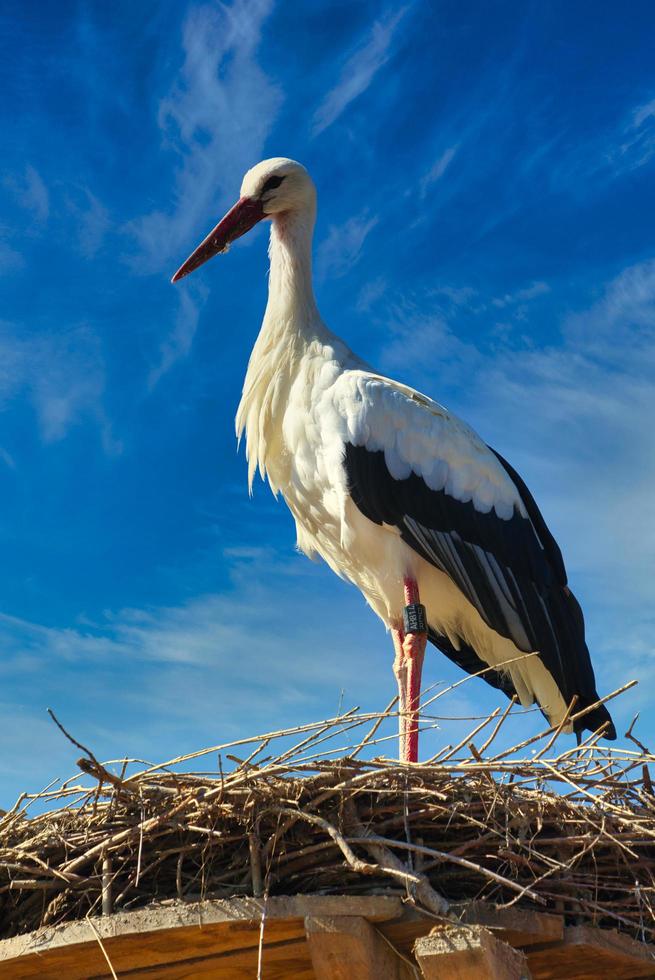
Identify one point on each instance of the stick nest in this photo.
(572, 833)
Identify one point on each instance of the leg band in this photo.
(414, 618)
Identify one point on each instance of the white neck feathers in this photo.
(291, 323)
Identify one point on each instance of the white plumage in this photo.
(388, 487)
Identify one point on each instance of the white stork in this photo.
(398, 495)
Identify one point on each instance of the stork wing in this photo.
(458, 504)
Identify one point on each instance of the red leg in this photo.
(400, 670)
(410, 646)
(414, 645)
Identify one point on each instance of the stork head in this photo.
(270, 188)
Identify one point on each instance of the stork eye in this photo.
(272, 183)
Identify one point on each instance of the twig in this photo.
(467, 738)
(633, 738)
(102, 947)
(70, 738)
(560, 727)
(368, 737)
(499, 724)
(260, 945)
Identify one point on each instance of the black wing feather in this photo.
(511, 570)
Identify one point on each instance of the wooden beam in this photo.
(345, 947)
(173, 915)
(468, 954)
(516, 926)
(588, 953)
(161, 938)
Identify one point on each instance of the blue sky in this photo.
(485, 233)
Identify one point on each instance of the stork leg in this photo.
(409, 643)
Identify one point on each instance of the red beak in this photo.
(238, 220)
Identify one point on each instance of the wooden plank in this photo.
(149, 953)
(278, 963)
(345, 947)
(468, 953)
(587, 953)
(175, 930)
(517, 927)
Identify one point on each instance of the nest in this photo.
(570, 832)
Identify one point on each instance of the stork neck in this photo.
(291, 324)
(290, 289)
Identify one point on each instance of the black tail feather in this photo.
(466, 658)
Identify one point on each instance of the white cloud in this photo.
(457, 295)
(10, 259)
(642, 113)
(177, 344)
(243, 633)
(35, 195)
(625, 145)
(31, 193)
(425, 344)
(636, 143)
(91, 221)
(370, 293)
(217, 117)
(342, 247)
(358, 71)
(7, 458)
(90, 218)
(62, 374)
(522, 295)
(438, 169)
(627, 302)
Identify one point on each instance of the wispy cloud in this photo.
(91, 220)
(62, 374)
(623, 145)
(31, 193)
(628, 302)
(457, 295)
(10, 259)
(521, 295)
(7, 458)
(81, 217)
(359, 70)
(342, 247)
(426, 341)
(370, 293)
(208, 631)
(638, 145)
(438, 169)
(642, 113)
(217, 118)
(177, 344)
